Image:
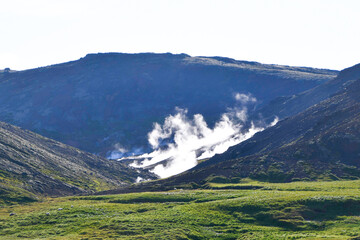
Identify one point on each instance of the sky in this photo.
(313, 33)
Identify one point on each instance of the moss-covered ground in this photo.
(298, 210)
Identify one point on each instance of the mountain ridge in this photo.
(103, 99)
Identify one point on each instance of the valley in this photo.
(180, 120)
(220, 158)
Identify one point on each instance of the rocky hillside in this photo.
(103, 99)
(30, 163)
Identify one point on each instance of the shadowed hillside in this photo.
(320, 143)
(286, 106)
(103, 99)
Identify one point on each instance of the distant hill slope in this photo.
(103, 99)
(322, 142)
(30, 163)
(286, 106)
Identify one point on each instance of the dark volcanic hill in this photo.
(322, 142)
(30, 163)
(103, 99)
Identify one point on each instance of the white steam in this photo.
(243, 98)
(118, 152)
(180, 142)
(121, 152)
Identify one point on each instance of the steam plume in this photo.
(181, 141)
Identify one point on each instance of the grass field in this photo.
(298, 210)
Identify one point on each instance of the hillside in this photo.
(286, 106)
(320, 143)
(31, 164)
(103, 99)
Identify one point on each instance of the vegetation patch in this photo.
(297, 210)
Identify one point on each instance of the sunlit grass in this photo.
(298, 210)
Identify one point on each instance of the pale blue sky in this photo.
(315, 33)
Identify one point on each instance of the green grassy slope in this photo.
(299, 210)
